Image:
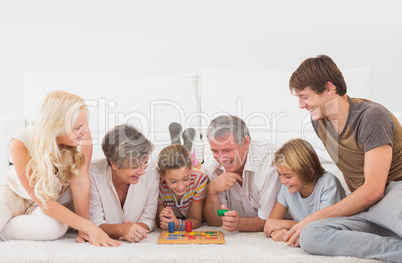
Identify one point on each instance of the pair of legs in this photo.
(14, 224)
(374, 233)
(188, 135)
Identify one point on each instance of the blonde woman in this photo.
(50, 172)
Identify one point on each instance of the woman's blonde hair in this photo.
(49, 161)
(299, 156)
(173, 157)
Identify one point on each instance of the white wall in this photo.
(186, 36)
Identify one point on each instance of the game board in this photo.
(194, 237)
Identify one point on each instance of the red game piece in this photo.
(189, 226)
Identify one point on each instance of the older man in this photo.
(242, 178)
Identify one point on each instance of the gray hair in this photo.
(125, 146)
(222, 126)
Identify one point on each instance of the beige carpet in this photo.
(239, 247)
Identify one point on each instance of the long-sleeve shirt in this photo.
(140, 204)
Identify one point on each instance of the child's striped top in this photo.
(197, 191)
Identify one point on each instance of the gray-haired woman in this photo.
(124, 192)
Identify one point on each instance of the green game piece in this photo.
(221, 212)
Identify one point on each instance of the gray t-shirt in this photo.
(327, 191)
(369, 125)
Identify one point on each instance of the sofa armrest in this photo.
(9, 125)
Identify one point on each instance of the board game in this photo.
(193, 237)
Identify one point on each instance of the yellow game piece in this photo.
(192, 233)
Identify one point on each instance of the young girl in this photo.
(182, 190)
(48, 173)
(306, 187)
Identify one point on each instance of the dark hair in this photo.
(315, 73)
(173, 157)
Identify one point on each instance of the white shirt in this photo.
(257, 195)
(141, 201)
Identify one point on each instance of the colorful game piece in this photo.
(221, 212)
(171, 227)
(189, 226)
(173, 238)
(193, 237)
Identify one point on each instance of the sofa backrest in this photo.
(260, 98)
(150, 103)
(263, 100)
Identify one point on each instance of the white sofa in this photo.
(151, 103)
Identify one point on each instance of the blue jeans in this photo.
(373, 233)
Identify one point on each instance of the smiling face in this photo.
(178, 180)
(129, 175)
(74, 137)
(320, 106)
(229, 153)
(291, 180)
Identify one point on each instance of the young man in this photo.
(365, 141)
(241, 177)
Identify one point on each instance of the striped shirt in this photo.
(197, 191)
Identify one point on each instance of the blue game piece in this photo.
(171, 227)
(173, 238)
